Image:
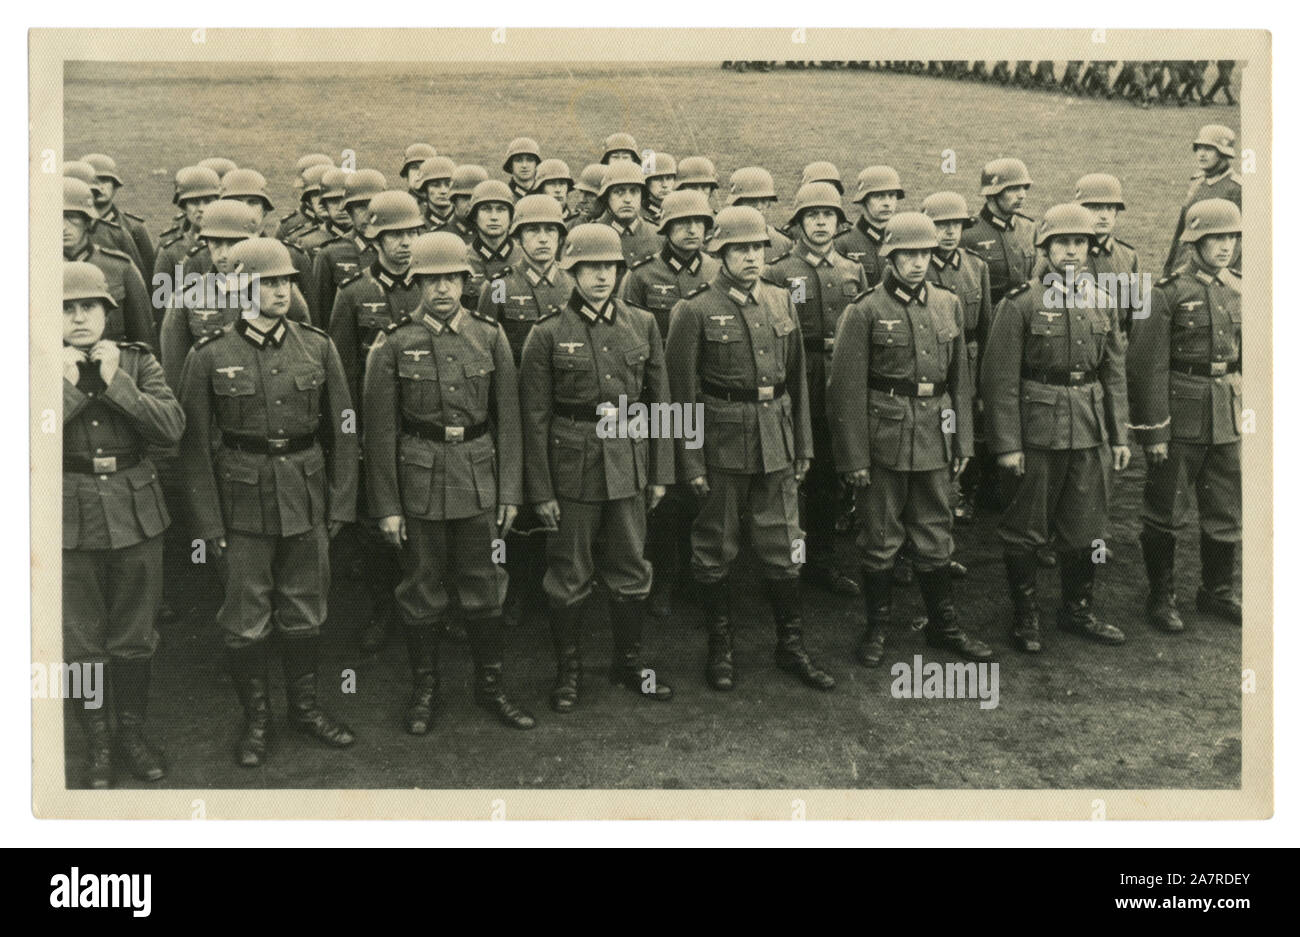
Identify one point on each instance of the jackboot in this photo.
(568, 658)
(829, 579)
(720, 665)
(1022, 579)
(790, 654)
(1077, 575)
(941, 629)
(300, 657)
(1158, 550)
(1215, 597)
(374, 634)
(99, 745)
(627, 669)
(422, 648)
(129, 680)
(487, 643)
(247, 666)
(877, 589)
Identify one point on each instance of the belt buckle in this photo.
(277, 444)
(104, 464)
(453, 433)
(828, 344)
(1076, 377)
(1218, 367)
(767, 392)
(925, 389)
(606, 410)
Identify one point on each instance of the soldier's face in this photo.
(273, 295)
(104, 190)
(441, 292)
(193, 208)
(659, 186)
(83, 322)
(358, 214)
(1207, 157)
(1216, 250)
(621, 156)
(75, 230)
(395, 249)
(1067, 250)
(818, 225)
(437, 192)
(880, 207)
(586, 201)
(314, 205)
(949, 234)
(910, 265)
(460, 205)
(492, 219)
(524, 169)
(557, 189)
(336, 213)
(596, 281)
(744, 262)
(1011, 198)
(1103, 217)
(255, 203)
(219, 250)
(687, 235)
(624, 201)
(540, 242)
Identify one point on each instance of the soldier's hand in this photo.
(549, 512)
(506, 514)
(217, 547)
(959, 465)
(1013, 462)
(700, 486)
(655, 494)
(107, 354)
(801, 467)
(1157, 453)
(333, 528)
(71, 356)
(393, 528)
(1122, 455)
(859, 479)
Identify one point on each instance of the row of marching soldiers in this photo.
(451, 404)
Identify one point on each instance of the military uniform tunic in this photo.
(366, 303)
(134, 227)
(639, 239)
(522, 296)
(112, 236)
(658, 282)
(861, 244)
(336, 261)
(1226, 185)
(1006, 245)
(199, 261)
(486, 264)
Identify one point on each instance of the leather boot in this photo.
(941, 629)
(720, 666)
(829, 579)
(247, 666)
(1158, 553)
(877, 588)
(1077, 575)
(300, 657)
(1022, 578)
(904, 573)
(568, 658)
(422, 648)
(627, 669)
(487, 643)
(99, 745)
(129, 680)
(1215, 597)
(790, 654)
(374, 635)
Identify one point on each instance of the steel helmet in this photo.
(661, 164)
(685, 203)
(590, 179)
(77, 197)
(263, 257)
(466, 177)
(1099, 189)
(751, 182)
(947, 206)
(909, 231)
(76, 169)
(415, 154)
(393, 210)
(521, 146)
(620, 143)
(490, 190)
(876, 179)
(817, 195)
(1211, 216)
(538, 209)
(697, 170)
(739, 224)
(591, 243)
(621, 173)
(105, 167)
(363, 185)
(312, 178)
(313, 159)
(439, 252)
(333, 183)
(1217, 136)
(822, 172)
(85, 281)
(553, 170)
(218, 164)
(226, 218)
(246, 183)
(195, 182)
(1068, 218)
(434, 168)
(1002, 174)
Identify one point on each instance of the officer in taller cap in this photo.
(1214, 148)
(1002, 235)
(109, 184)
(878, 191)
(622, 194)
(340, 258)
(753, 187)
(523, 156)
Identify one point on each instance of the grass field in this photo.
(1159, 712)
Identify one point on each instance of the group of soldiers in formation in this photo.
(1142, 82)
(430, 364)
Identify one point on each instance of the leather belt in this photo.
(819, 345)
(894, 387)
(586, 412)
(1206, 368)
(1061, 377)
(260, 445)
(100, 465)
(443, 433)
(744, 394)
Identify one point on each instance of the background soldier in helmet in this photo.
(822, 282)
(307, 215)
(249, 186)
(590, 489)
(735, 346)
(698, 172)
(444, 471)
(107, 234)
(432, 186)
(587, 187)
(109, 182)
(1102, 195)
(620, 147)
(1184, 377)
(339, 258)
(555, 180)
(266, 494)
(115, 405)
(522, 159)
(660, 177)
(196, 189)
(1056, 405)
(334, 221)
(491, 209)
(218, 164)
(878, 191)
(622, 193)
(1214, 147)
(1002, 234)
(753, 187)
(464, 180)
(129, 317)
(819, 172)
(414, 156)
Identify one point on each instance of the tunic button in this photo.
(99, 450)
(279, 402)
(283, 459)
(1078, 341)
(451, 357)
(103, 478)
(609, 377)
(275, 370)
(94, 422)
(605, 348)
(452, 387)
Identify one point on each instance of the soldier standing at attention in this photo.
(588, 206)
(1002, 235)
(592, 489)
(444, 471)
(622, 193)
(266, 494)
(822, 282)
(735, 346)
(620, 147)
(555, 180)
(900, 359)
(109, 182)
(412, 158)
(307, 215)
(1052, 381)
(463, 183)
(334, 220)
(106, 233)
(753, 187)
(660, 176)
(1184, 377)
(433, 189)
(249, 186)
(1101, 194)
(522, 158)
(491, 209)
(340, 258)
(196, 189)
(1214, 146)
(115, 405)
(698, 172)
(128, 317)
(878, 191)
